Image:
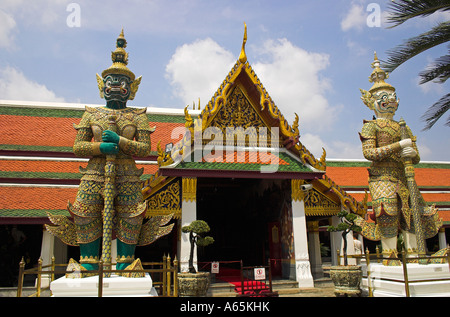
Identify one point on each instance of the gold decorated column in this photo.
(189, 189)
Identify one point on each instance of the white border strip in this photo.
(61, 159)
(81, 107)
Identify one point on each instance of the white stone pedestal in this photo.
(112, 286)
(388, 281)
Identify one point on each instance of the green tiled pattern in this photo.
(293, 166)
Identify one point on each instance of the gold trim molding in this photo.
(189, 188)
(297, 193)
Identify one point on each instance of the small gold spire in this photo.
(121, 36)
(243, 56)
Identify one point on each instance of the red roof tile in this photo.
(46, 198)
(166, 132)
(54, 166)
(38, 131)
(55, 131)
(359, 176)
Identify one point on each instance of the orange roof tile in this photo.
(432, 177)
(166, 132)
(359, 176)
(38, 131)
(348, 176)
(244, 157)
(47, 198)
(54, 166)
(56, 131)
(40, 166)
(444, 215)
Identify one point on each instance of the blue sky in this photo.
(311, 56)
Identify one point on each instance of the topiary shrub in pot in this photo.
(193, 283)
(346, 278)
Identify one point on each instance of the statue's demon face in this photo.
(116, 88)
(385, 102)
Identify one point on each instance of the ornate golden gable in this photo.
(241, 100)
(318, 204)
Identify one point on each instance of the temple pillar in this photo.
(51, 247)
(350, 248)
(442, 238)
(302, 265)
(335, 240)
(188, 214)
(314, 249)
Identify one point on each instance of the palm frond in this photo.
(416, 45)
(403, 10)
(439, 71)
(436, 111)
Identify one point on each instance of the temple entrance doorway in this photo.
(239, 213)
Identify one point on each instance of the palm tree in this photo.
(439, 71)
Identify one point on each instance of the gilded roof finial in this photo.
(243, 56)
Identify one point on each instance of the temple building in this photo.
(236, 163)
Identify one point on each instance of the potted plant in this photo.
(346, 278)
(195, 283)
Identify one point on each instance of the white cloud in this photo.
(356, 18)
(290, 74)
(7, 26)
(292, 78)
(37, 14)
(15, 86)
(424, 151)
(314, 144)
(357, 48)
(196, 70)
(334, 149)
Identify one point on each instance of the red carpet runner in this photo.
(233, 276)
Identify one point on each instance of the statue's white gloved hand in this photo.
(408, 152)
(405, 143)
(407, 149)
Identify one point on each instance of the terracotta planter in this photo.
(346, 279)
(193, 284)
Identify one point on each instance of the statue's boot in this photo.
(410, 240)
(126, 261)
(125, 254)
(389, 246)
(88, 260)
(89, 254)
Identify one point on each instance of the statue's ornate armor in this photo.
(387, 181)
(133, 127)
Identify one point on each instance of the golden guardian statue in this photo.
(391, 147)
(109, 200)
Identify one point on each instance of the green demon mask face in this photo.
(385, 103)
(116, 90)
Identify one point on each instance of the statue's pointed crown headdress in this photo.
(120, 60)
(377, 77)
(119, 66)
